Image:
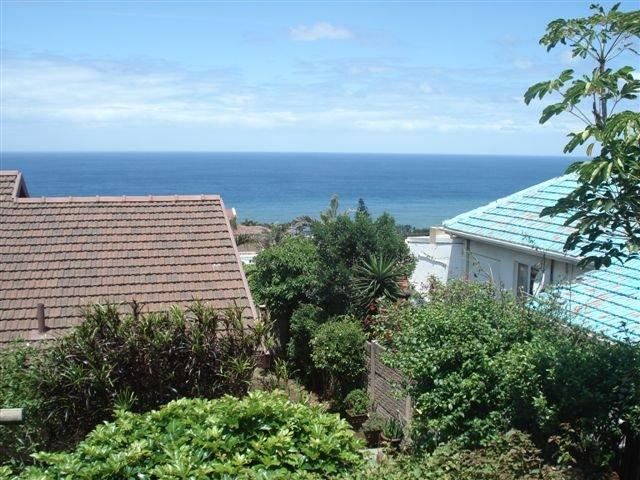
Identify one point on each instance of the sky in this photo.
(401, 77)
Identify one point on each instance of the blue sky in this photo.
(419, 77)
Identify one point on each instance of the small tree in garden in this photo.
(283, 277)
(337, 351)
(605, 205)
(305, 322)
(343, 243)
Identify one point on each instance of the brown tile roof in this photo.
(67, 252)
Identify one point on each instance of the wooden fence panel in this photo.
(383, 386)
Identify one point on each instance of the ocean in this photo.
(419, 190)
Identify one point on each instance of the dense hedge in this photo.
(142, 361)
(260, 436)
(481, 362)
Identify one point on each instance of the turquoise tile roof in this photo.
(606, 301)
(516, 219)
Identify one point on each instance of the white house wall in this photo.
(442, 258)
(489, 262)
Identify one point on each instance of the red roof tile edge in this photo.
(237, 253)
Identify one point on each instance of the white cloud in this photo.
(90, 94)
(523, 63)
(319, 31)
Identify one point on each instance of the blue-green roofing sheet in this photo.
(516, 219)
(606, 301)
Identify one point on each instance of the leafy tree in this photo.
(283, 277)
(376, 279)
(604, 207)
(342, 244)
(362, 207)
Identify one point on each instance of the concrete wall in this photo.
(382, 385)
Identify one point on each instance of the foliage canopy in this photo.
(346, 241)
(604, 207)
(284, 275)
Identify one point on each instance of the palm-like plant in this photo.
(375, 279)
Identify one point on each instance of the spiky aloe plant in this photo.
(376, 278)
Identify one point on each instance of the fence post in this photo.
(372, 370)
(11, 415)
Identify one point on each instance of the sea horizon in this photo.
(418, 189)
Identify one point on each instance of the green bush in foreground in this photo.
(17, 390)
(260, 436)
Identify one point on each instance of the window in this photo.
(529, 279)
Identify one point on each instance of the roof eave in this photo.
(252, 306)
(554, 255)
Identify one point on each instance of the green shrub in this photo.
(357, 401)
(375, 423)
(480, 362)
(143, 360)
(337, 350)
(304, 323)
(511, 456)
(260, 436)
